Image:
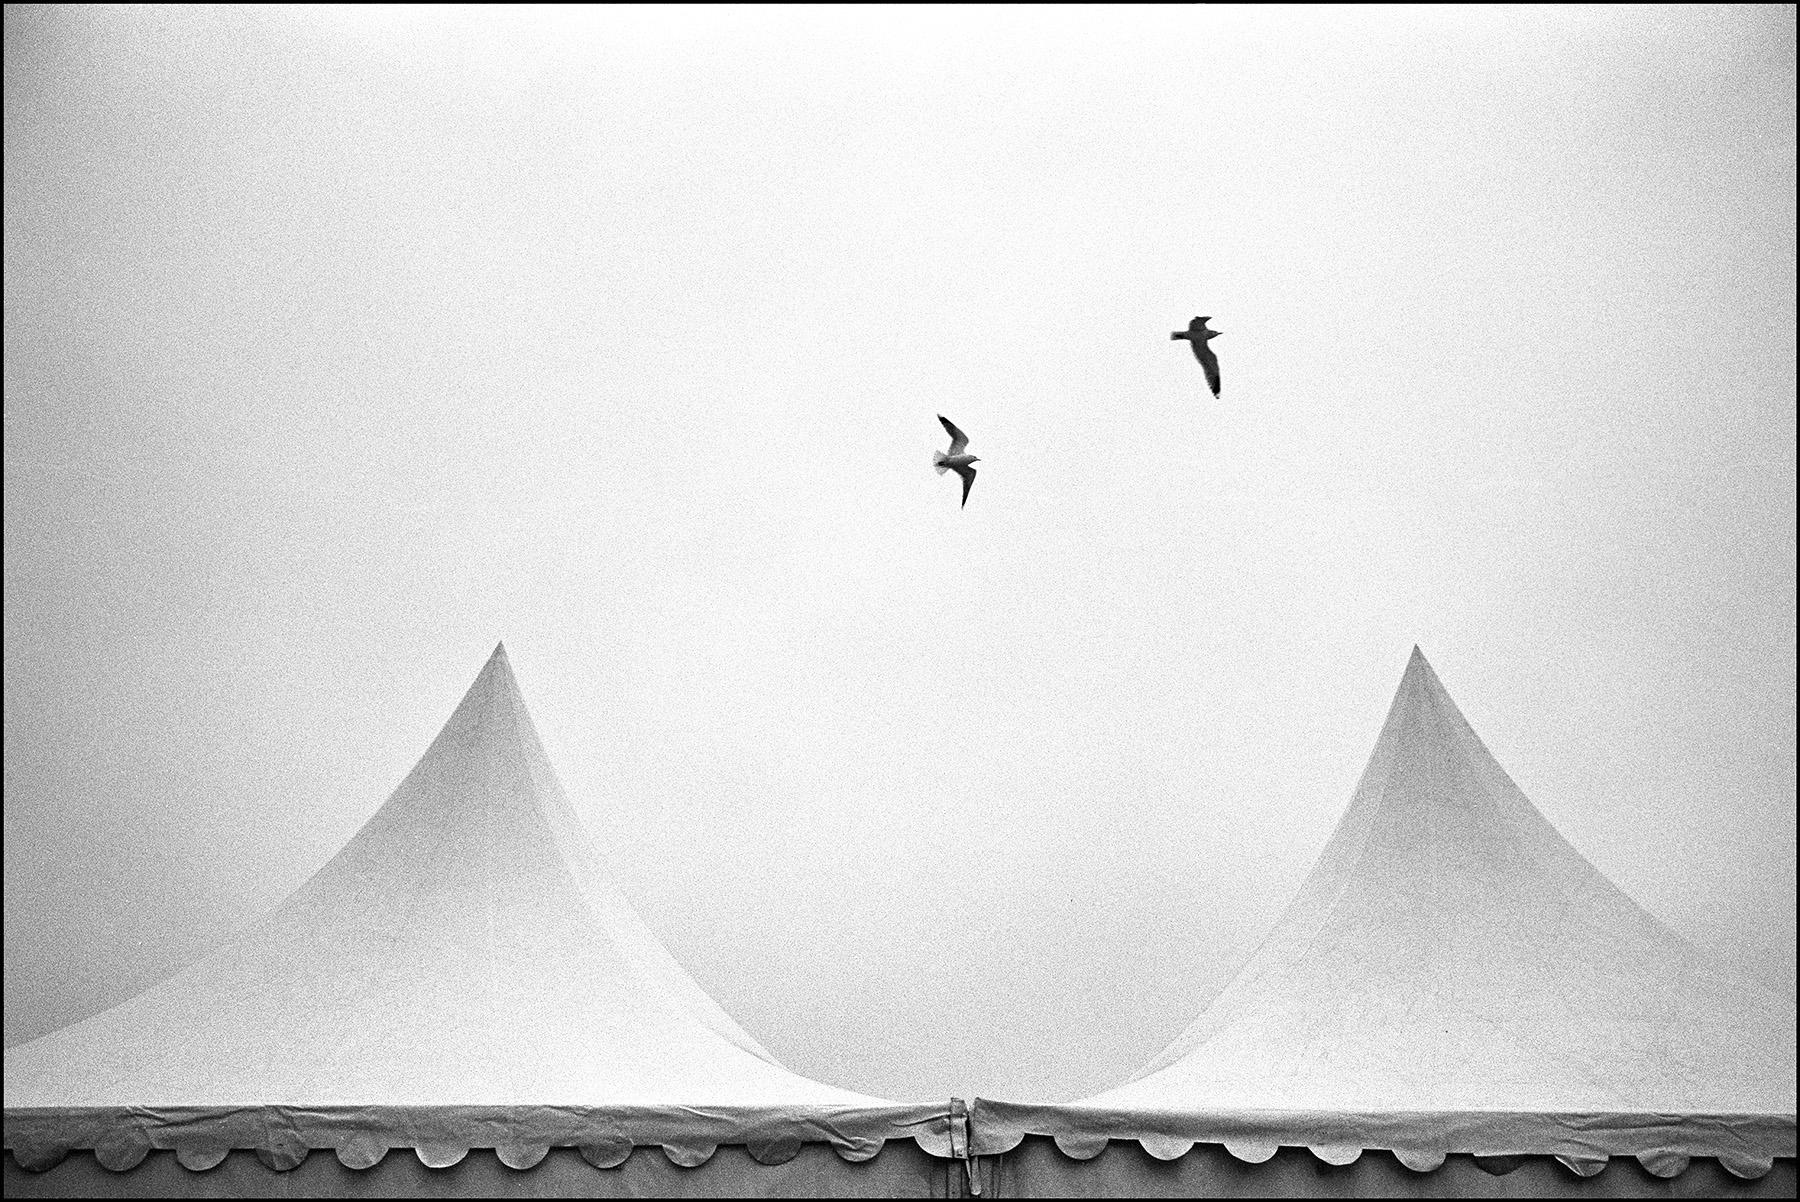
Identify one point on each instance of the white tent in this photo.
(1454, 977)
(460, 975)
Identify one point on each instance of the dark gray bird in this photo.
(1197, 334)
(956, 460)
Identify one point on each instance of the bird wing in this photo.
(1210, 362)
(968, 475)
(958, 440)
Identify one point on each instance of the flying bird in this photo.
(956, 460)
(1197, 334)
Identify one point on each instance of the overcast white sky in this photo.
(341, 344)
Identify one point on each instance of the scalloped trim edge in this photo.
(125, 1151)
(1419, 1160)
(122, 1154)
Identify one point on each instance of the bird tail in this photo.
(937, 458)
(1177, 335)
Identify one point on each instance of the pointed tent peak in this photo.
(493, 686)
(1425, 735)
(467, 946)
(1482, 961)
(497, 666)
(1421, 680)
(497, 661)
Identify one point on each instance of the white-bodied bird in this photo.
(1198, 335)
(956, 460)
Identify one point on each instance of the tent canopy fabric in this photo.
(1453, 976)
(462, 973)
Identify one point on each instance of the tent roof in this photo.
(463, 954)
(1453, 968)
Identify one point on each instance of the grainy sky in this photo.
(341, 344)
